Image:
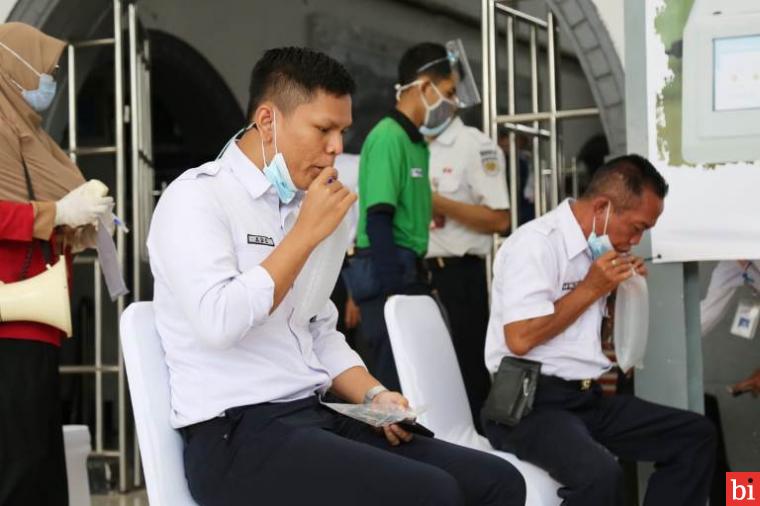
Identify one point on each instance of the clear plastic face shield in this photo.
(467, 90)
(467, 94)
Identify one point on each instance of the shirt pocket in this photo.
(449, 183)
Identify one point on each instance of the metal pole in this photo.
(485, 20)
(513, 173)
(135, 113)
(135, 108)
(492, 71)
(72, 103)
(98, 296)
(546, 116)
(120, 246)
(537, 196)
(552, 111)
(517, 127)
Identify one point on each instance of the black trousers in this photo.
(32, 460)
(296, 453)
(461, 286)
(575, 436)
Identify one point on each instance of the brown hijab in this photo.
(52, 173)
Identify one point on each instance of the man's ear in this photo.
(264, 119)
(600, 203)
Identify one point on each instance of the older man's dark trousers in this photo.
(296, 453)
(576, 435)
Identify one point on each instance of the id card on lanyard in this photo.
(747, 314)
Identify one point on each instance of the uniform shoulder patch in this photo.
(489, 160)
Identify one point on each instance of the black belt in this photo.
(443, 262)
(580, 385)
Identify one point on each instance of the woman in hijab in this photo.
(46, 210)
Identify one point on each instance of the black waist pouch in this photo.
(513, 390)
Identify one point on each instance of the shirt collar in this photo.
(575, 242)
(449, 135)
(249, 175)
(411, 130)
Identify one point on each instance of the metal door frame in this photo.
(138, 115)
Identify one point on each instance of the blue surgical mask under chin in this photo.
(277, 173)
(41, 98)
(599, 244)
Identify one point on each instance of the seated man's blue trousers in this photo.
(298, 453)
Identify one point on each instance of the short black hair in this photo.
(624, 178)
(421, 55)
(290, 76)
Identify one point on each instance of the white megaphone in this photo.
(42, 299)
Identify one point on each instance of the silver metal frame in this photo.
(547, 193)
(141, 172)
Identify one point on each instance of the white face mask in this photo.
(40, 98)
(599, 245)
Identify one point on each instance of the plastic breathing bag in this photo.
(317, 279)
(631, 329)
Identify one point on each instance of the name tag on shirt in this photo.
(261, 240)
(416, 172)
(570, 285)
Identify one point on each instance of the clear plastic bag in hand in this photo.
(631, 330)
(375, 415)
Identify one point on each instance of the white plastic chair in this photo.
(160, 445)
(429, 374)
(76, 444)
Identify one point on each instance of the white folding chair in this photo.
(429, 374)
(160, 445)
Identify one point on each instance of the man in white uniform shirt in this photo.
(551, 281)
(470, 204)
(725, 280)
(227, 242)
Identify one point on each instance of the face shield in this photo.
(467, 94)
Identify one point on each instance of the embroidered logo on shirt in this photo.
(490, 162)
(415, 172)
(570, 285)
(261, 240)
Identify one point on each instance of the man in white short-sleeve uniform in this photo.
(551, 281)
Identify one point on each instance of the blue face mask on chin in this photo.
(600, 244)
(277, 173)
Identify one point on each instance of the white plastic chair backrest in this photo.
(429, 374)
(428, 369)
(161, 446)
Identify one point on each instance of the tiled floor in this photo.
(138, 498)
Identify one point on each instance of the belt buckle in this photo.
(585, 384)
(441, 262)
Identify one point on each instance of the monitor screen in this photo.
(736, 73)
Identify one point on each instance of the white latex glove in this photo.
(82, 205)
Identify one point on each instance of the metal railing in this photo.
(138, 115)
(540, 126)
